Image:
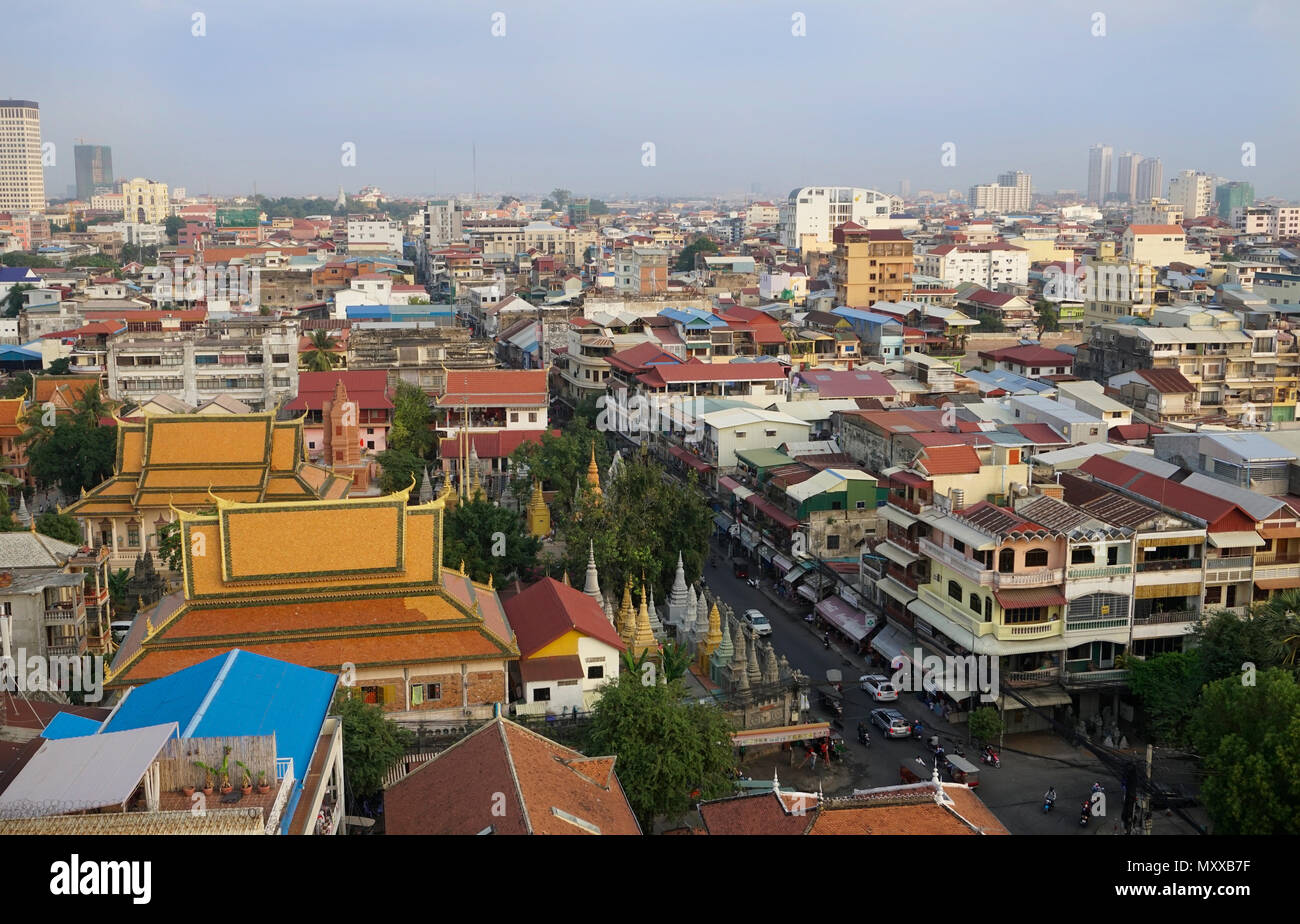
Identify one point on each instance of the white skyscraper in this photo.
(1099, 157)
(22, 179)
(1011, 193)
(811, 213)
(1194, 191)
(1150, 180)
(1127, 175)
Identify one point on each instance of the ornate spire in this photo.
(627, 616)
(771, 671)
(644, 639)
(615, 465)
(426, 488)
(738, 661)
(24, 518)
(539, 515)
(678, 594)
(565, 580)
(592, 586)
(656, 626)
(725, 649)
(754, 672)
(593, 473)
(609, 612)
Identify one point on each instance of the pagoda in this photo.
(539, 515)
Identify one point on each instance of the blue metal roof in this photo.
(16, 274)
(693, 316)
(870, 317)
(238, 693)
(67, 725)
(1008, 381)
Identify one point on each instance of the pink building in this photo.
(368, 389)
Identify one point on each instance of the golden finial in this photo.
(148, 626)
(462, 566)
(490, 587)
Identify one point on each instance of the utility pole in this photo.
(1146, 796)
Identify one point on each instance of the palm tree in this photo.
(91, 406)
(322, 356)
(1281, 616)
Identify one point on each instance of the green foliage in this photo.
(598, 207)
(17, 385)
(322, 356)
(118, 581)
(986, 724)
(13, 300)
(398, 468)
(134, 253)
(470, 533)
(644, 519)
(1250, 739)
(173, 226)
(671, 750)
(7, 522)
(676, 661)
(990, 324)
(686, 259)
(59, 526)
(30, 260)
(561, 463)
(169, 545)
(371, 744)
(412, 417)
(75, 456)
(560, 197)
(1169, 686)
(93, 259)
(1049, 317)
(59, 367)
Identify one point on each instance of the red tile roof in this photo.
(848, 383)
(494, 387)
(950, 460)
(660, 376)
(547, 789)
(1029, 355)
(1155, 229)
(1041, 434)
(641, 357)
(1167, 381)
(1215, 512)
(496, 445)
(549, 609)
(368, 388)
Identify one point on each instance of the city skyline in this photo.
(422, 128)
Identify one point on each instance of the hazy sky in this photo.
(724, 90)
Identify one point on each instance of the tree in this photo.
(990, 324)
(7, 522)
(597, 207)
(118, 582)
(1049, 318)
(59, 367)
(76, 454)
(322, 356)
(372, 744)
(30, 260)
(410, 430)
(173, 226)
(670, 749)
(490, 540)
(686, 259)
(169, 545)
(59, 526)
(93, 259)
(399, 467)
(1169, 687)
(985, 724)
(560, 197)
(13, 300)
(1249, 736)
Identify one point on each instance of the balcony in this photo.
(1152, 619)
(1075, 678)
(1029, 630)
(1221, 569)
(1169, 564)
(1100, 624)
(968, 568)
(67, 650)
(1083, 572)
(1047, 576)
(1039, 678)
(64, 616)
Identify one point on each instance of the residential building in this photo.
(145, 201)
(568, 243)
(547, 788)
(494, 399)
(252, 359)
(442, 223)
(989, 265)
(417, 352)
(726, 433)
(94, 169)
(54, 598)
(870, 265)
(424, 641)
(1157, 212)
(169, 463)
(568, 648)
(1246, 460)
(22, 176)
(1029, 360)
(811, 213)
(1160, 395)
(1150, 180)
(1090, 397)
(1075, 425)
(1099, 164)
(836, 508)
(881, 336)
(1011, 193)
(1194, 192)
(1275, 221)
(641, 271)
(1126, 181)
(1158, 245)
(367, 390)
(374, 235)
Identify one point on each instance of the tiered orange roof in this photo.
(63, 390)
(176, 460)
(11, 424)
(372, 593)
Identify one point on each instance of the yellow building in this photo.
(871, 266)
(145, 202)
(354, 587)
(167, 462)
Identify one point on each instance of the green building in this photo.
(1235, 195)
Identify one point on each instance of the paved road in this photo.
(1013, 791)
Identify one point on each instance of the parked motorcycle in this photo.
(1083, 817)
(752, 582)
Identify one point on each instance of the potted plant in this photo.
(188, 789)
(246, 784)
(225, 771)
(209, 772)
(263, 787)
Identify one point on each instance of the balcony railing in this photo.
(1071, 678)
(969, 568)
(1027, 578)
(68, 649)
(1096, 625)
(1152, 619)
(61, 616)
(1169, 564)
(1224, 564)
(1031, 678)
(1028, 630)
(1096, 571)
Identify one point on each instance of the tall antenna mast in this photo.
(474, 156)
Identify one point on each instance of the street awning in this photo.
(808, 592)
(798, 571)
(895, 515)
(1041, 696)
(1245, 539)
(780, 735)
(853, 623)
(896, 589)
(1156, 591)
(1030, 597)
(891, 643)
(690, 459)
(782, 562)
(1277, 583)
(897, 554)
(727, 483)
(722, 521)
(765, 552)
(1280, 532)
(778, 516)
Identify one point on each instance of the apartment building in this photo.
(374, 235)
(870, 265)
(1250, 374)
(989, 265)
(1011, 193)
(1150, 179)
(417, 352)
(253, 360)
(1278, 288)
(811, 214)
(442, 219)
(1194, 192)
(1157, 212)
(1099, 166)
(1276, 221)
(54, 598)
(641, 271)
(1157, 245)
(569, 244)
(145, 201)
(499, 240)
(22, 176)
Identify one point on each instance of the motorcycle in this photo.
(1048, 802)
(991, 758)
(826, 640)
(864, 737)
(810, 618)
(752, 582)
(917, 731)
(1083, 818)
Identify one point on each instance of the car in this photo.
(757, 623)
(881, 690)
(891, 722)
(740, 567)
(119, 629)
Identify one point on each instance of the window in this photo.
(1007, 561)
(532, 417)
(958, 546)
(514, 417)
(1036, 558)
(1214, 594)
(1112, 555)
(542, 695)
(861, 505)
(988, 609)
(425, 693)
(975, 603)
(596, 672)
(954, 590)
(833, 542)
(1082, 555)
(740, 434)
(1025, 614)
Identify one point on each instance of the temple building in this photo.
(538, 518)
(167, 463)
(369, 600)
(13, 454)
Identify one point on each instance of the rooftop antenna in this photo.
(474, 158)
